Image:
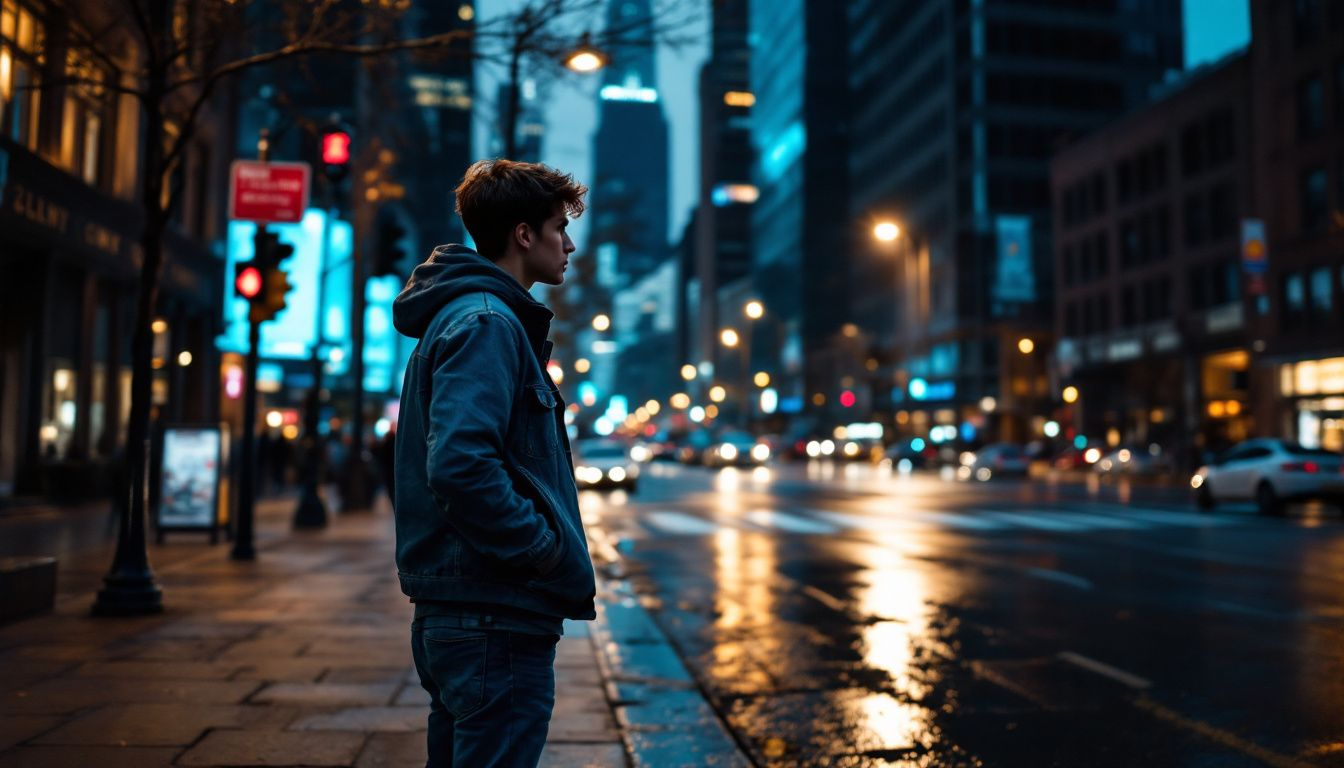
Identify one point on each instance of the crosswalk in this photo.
(813, 522)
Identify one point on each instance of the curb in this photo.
(663, 717)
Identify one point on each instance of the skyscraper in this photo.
(957, 110)
(798, 230)
(630, 173)
(723, 223)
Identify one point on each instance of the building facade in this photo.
(630, 166)
(1150, 307)
(70, 228)
(798, 232)
(723, 213)
(1297, 86)
(957, 109)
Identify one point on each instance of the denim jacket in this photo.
(486, 509)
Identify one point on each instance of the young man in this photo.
(490, 546)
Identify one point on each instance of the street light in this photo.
(1070, 394)
(1026, 346)
(762, 379)
(717, 393)
(601, 323)
(585, 57)
(729, 337)
(754, 309)
(688, 372)
(886, 231)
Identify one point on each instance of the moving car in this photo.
(1270, 472)
(1134, 460)
(735, 448)
(604, 463)
(999, 460)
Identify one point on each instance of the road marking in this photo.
(1043, 522)
(826, 599)
(1221, 736)
(679, 523)
(1103, 521)
(1060, 577)
(960, 520)
(1163, 516)
(769, 518)
(1106, 670)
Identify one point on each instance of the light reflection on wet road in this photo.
(845, 616)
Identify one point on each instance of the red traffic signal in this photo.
(336, 148)
(248, 282)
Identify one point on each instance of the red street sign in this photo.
(268, 192)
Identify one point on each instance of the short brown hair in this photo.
(497, 195)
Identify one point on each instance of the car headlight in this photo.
(760, 452)
(813, 448)
(640, 453)
(851, 449)
(827, 447)
(616, 474)
(727, 452)
(1196, 481)
(967, 458)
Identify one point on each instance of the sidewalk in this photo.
(299, 658)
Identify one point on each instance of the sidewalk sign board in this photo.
(191, 475)
(268, 193)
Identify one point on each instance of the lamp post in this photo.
(584, 58)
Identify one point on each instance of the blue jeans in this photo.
(491, 693)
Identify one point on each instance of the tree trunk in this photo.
(129, 587)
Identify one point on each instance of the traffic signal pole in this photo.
(242, 542)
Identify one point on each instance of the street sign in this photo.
(268, 192)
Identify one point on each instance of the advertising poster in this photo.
(190, 478)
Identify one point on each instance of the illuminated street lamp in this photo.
(754, 309)
(688, 372)
(601, 323)
(585, 57)
(717, 393)
(762, 379)
(886, 231)
(1026, 346)
(1070, 394)
(729, 337)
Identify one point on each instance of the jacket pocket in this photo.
(542, 439)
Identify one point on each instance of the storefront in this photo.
(67, 304)
(1311, 397)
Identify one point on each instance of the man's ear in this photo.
(523, 234)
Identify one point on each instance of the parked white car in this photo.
(1270, 472)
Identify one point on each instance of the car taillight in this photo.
(1310, 467)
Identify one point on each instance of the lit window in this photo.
(739, 98)
(21, 41)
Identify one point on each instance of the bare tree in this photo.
(171, 56)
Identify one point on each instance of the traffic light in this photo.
(261, 281)
(247, 280)
(388, 252)
(335, 152)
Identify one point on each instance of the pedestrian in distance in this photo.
(490, 545)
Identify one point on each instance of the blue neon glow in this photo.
(628, 93)
(918, 388)
(917, 444)
(783, 151)
(292, 333)
(1080, 442)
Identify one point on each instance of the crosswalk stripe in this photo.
(679, 523)
(1039, 521)
(769, 518)
(1165, 516)
(1102, 521)
(817, 522)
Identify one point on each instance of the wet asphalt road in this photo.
(843, 616)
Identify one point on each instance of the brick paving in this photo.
(299, 658)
